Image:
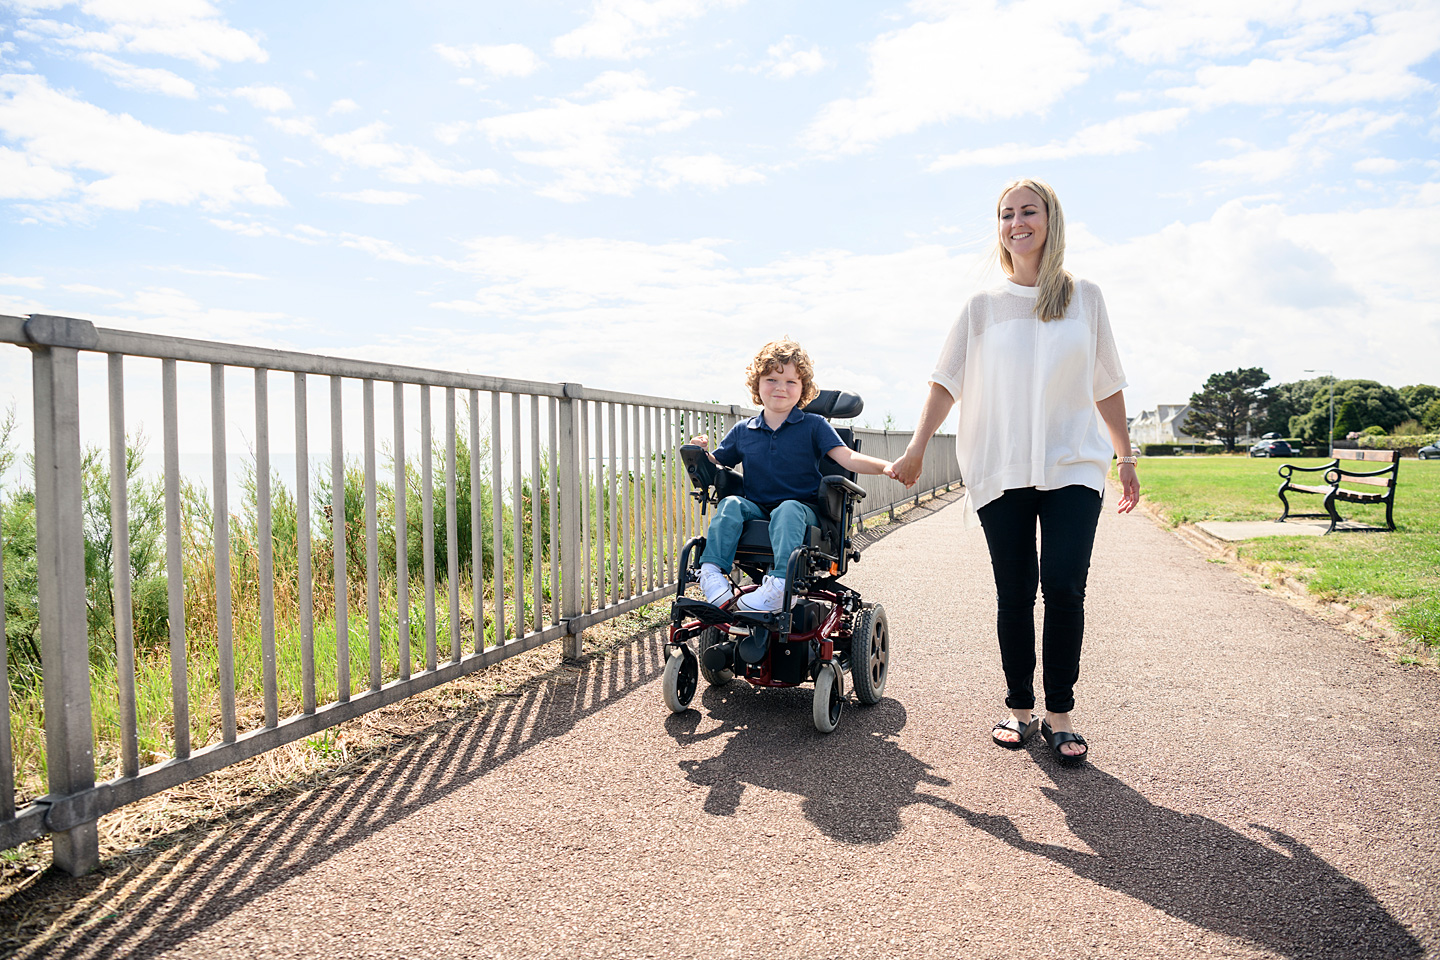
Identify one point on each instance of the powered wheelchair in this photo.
(822, 629)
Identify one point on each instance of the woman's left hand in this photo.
(1129, 488)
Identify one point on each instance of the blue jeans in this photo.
(787, 530)
(1067, 518)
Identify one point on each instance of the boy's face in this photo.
(780, 389)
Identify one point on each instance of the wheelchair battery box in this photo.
(790, 662)
(806, 616)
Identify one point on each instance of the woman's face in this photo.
(1023, 223)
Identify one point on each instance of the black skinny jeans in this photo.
(1067, 519)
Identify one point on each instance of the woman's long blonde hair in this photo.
(1056, 284)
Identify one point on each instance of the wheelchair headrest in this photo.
(836, 405)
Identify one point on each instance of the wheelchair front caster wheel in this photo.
(682, 675)
(829, 700)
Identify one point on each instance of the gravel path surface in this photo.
(1262, 785)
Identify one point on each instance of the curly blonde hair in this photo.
(773, 357)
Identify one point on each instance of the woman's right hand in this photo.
(907, 468)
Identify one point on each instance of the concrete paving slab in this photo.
(1234, 530)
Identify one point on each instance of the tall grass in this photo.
(154, 707)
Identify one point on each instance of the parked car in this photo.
(1272, 448)
(1431, 452)
(1270, 436)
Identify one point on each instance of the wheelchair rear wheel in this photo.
(681, 679)
(829, 700)
(870, 654)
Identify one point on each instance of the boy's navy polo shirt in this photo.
(780, 464)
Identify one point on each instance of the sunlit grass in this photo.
(1403, 566)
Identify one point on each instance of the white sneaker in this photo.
(715, 585)
(764, 599)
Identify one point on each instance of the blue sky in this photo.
(634, 194)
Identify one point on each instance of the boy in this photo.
(781, 450)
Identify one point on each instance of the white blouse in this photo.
(1027, 390)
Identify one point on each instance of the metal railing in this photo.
(587, 512)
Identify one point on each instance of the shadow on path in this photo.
(163, 901)
(853, 783)
(1282, 898)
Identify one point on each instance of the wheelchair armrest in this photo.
(834, 492)
(712, 481)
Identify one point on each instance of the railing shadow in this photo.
(179, 892)
(1283, 898)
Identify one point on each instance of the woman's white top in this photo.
(1027, 389)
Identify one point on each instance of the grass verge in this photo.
(1395, 573)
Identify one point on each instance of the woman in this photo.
(1031, 363)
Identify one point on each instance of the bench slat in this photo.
(1353, 497)
(1303, 489)
(1381, 456)
(1373, 481)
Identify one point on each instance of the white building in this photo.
(1164, 424)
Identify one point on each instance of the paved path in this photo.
(1262, 786)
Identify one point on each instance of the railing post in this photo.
(570, 495)
(64, 635)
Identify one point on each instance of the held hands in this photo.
(701, 440)
(906, 469)
(1129, 488)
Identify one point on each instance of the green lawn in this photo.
(1403, 566)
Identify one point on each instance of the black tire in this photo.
(681, 679)
(829, 702)
(870, 654)
(708, 638)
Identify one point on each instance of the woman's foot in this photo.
(1013, 731)
(1060, 734)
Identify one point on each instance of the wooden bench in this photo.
(1334, 474)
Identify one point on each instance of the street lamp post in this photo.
(1331, 375)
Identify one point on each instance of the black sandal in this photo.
(1024, 730)
(1057, 740)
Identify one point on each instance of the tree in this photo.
(1287, 400)
(1430, 416)
(1417, 397)
(1228, 404)
(1370, 404)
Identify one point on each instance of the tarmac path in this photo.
(1262, 785)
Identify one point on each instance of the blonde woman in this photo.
(1034, 369)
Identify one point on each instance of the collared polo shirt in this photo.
(780, 464)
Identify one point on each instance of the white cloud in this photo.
(143, 79)
(175, 313)
(24, 178)
(1377, 165)
(31, 283)
(381, 197)
(345, 105)
(785, 60)
(961, 66)
(264, 97)
(583, 140)
(1318, 136)
(506, 60)
(137, 164)
(619, 29)
(368, 147)
(383, 250)
(91, 290)
(185, 29)
(1374, 64)
(708, 170)
(1111, 138)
